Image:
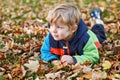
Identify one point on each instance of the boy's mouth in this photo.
(54, 35)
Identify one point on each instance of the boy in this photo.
(69, 40)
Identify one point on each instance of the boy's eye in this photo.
(59, 27)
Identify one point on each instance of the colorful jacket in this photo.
(83, 46)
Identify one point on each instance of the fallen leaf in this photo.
(43, 68)
(32, 65)
(88, 75)
(2, 56)
(18, 72)
(117, 76)
(2, 71)
(106, 65)
(53, 76)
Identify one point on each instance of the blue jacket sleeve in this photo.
(45, 51)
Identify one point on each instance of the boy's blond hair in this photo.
(69, 13)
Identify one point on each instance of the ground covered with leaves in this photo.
(22, 30)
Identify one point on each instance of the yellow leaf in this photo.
(117, 76)
(106, 65)
(7, 76)
(10, 43)
(111, 76)
(16, 27)
(104, 75)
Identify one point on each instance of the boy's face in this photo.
(60, 31)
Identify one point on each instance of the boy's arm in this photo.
(45, 51)
(90, 52)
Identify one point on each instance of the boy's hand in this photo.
(67, 59)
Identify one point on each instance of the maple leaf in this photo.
(106, 65)
(32, 65)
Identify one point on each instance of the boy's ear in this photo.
(75, 28)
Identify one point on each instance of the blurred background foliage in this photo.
(37, 9)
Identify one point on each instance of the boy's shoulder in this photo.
(92, 35)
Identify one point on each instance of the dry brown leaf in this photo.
(59, 67)
(99, 75)
(116, 66)
(88, 75)
(2, 56)
(87, 69)
(43, 68)
(2, 71)
(7, 76)
(18, 72)
(57, 75)
(26, 46)
(10, 43)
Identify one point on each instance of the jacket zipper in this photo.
(68, 49)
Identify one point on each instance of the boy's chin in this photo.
(57, 39)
